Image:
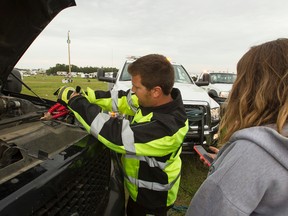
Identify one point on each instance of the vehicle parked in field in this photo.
(202, 110)
(217, 83)
(46, 167)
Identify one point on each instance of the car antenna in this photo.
(27, 87)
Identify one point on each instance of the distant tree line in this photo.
(74, 68)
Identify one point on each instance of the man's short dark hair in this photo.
(154, 70)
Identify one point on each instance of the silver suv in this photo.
(202, 110)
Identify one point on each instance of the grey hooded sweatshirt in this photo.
(248, 177)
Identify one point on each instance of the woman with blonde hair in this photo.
(250, 173)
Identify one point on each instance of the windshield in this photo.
(227, 78)
(181, 76)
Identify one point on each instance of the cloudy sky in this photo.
(200, 34)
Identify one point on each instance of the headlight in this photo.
(224, 94)
(215, 114)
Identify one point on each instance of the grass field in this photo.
(45, 86)
(193, 171)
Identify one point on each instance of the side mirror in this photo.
(13, 84)
(202, 83)
(101, 77)
(213, 94)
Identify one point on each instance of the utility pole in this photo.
(69, 72)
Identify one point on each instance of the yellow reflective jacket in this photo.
(150, 144)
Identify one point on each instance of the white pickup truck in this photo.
(202, 110)
(217, 83)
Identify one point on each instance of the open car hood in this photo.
(20, 24)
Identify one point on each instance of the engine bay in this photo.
(25, 140)
(12, 108)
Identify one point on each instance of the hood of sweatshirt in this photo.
(268, 139)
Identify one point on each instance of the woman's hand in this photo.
(212, 155)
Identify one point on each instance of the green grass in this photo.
(193, 171)
(192, 176)
(45, 86)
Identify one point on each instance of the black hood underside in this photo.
(21, 21)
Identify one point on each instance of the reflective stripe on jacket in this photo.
(150, 143)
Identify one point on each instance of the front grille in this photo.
(196, 114)
(83, 190)
(198, 125)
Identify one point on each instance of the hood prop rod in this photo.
(28, 87)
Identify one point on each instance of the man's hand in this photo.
(64, 94)
(47, 116)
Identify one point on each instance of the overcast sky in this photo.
(200, 34)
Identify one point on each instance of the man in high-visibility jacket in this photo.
(150, 144)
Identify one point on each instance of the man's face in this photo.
(143, 94)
